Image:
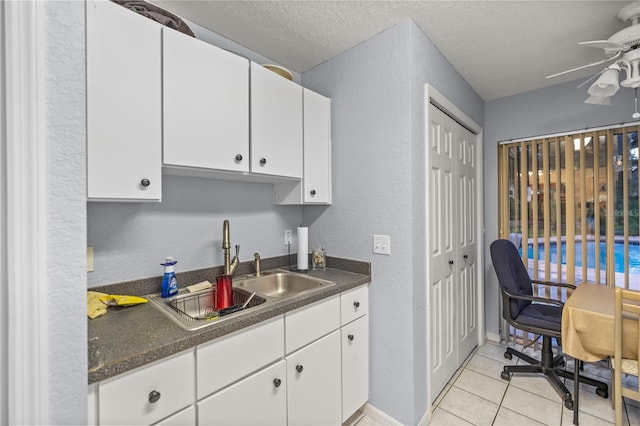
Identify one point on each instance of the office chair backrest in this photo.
(512, 276)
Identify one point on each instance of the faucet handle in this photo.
(237, 249)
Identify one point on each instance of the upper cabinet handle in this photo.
(145, 182)
(313, 192)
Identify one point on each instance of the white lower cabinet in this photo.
(260, 399)
(309, 366)
(181, 418)
(313, 380)
(355, 366)
(149, 393)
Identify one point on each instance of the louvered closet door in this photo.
(452, 246)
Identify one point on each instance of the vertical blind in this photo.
(570, 203)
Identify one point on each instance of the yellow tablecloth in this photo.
(588, 325)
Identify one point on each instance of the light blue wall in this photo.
(377, 93)
(130, 240)
(64, 111)
(555, 109)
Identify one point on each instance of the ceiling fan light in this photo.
(607, 84)
(598, 100)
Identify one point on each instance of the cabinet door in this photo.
(276, 124)
(317, 148)
(315, 187)
(313, 379)
(185, 417)
(260, 399)
(355, 366)
(205, 105)
(123, 104)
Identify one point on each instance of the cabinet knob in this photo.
(239, 157)
(154, 396)
(145, 182)
(350, 337)
(465, 256)
(356, 304)
(277, 382)
(299, 368)
(313, 192)
(263, 161)
(451, 262)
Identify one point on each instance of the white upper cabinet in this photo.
(276, 124)
(205, 105)
(315, 187)
(124, 128)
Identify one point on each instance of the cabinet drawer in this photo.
(232, 357)
(126, 399)
(260, 399)
(354, 304)
(311, 322)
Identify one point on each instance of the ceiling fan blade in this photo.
(590, 79)
(586, 66)
(605, 44)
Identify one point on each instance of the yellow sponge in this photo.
(95, 307)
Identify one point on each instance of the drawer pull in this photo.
(154, 396)
(313, 192)
(263, 161)
(350, 337)
(277, 382)
(145, 182)
(299, 368)
(356, 304)
(239, 157)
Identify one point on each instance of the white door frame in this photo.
(24, 373)
(436, 98)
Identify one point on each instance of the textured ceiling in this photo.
(500, 47)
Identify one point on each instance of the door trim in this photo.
(433, 96)
(24, 371)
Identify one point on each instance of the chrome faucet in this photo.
(256, 257)
(230, 266)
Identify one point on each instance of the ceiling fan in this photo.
(623, 48)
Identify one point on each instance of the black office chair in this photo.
(538, 315)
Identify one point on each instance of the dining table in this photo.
(588, 321)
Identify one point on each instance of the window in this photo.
(570, 203)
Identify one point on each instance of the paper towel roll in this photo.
(303, 248)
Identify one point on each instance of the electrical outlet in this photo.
(382, 244)
(287, 237)
(89, 259)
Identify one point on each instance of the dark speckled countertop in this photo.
(129, 337)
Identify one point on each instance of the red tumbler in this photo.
(224, 292)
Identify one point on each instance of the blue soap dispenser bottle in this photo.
(169, 282)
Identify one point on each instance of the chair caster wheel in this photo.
(602, 393)
(505, 375)
(508, 355)
(568, 402)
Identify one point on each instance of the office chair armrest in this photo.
(550, 284)
(543, 300)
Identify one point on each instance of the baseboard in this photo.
(493, 338)
(378, 416)
(426, 419)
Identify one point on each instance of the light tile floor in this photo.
(476, 395)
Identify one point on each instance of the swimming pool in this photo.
(634, 255)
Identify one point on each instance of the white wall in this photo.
(553, 109)
(378, 137)
(66, 323)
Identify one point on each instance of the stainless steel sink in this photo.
(193, 311)
(281, 284)
(196, 310)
